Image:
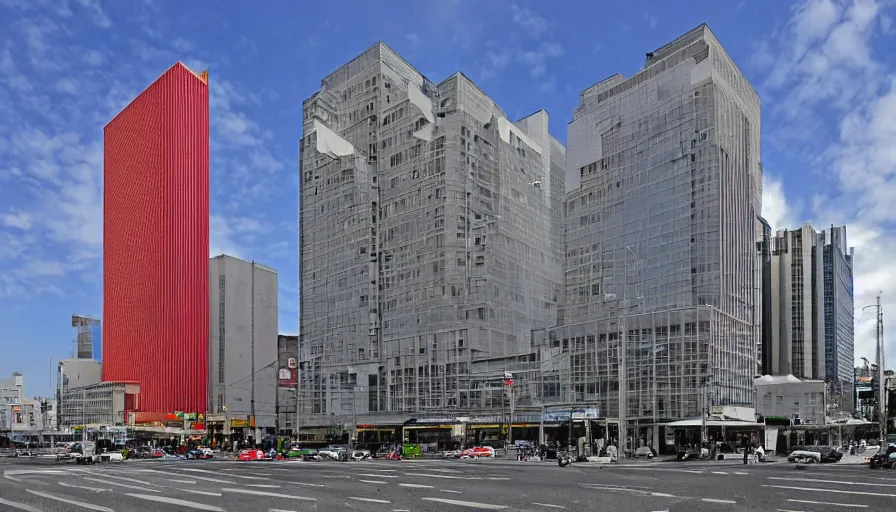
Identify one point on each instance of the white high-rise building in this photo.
(431, 240)
(665, 182)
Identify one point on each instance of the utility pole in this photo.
(252, 351)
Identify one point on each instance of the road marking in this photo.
(197, 491)
(20, 506)
(694, 471)
(430, 475)
(370, 500)
(126, 486)
(741, 473)
(206, 478)
(181, 481)
(844, 505)
(416, 486)
(193, 470)
(719, 472)
(372, 481)
(305, 484)
(713, 500)
(94, 489)
(497, 478)
(837, 491)
(265, 493)
(841, 482)
(82, 504)
(377, 476)
(175, 501)
(662, 495)
(548, 505)
(266, 486)
(470, 504)
(14, 479)
(132, 480)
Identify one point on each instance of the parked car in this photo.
(332, 452)
(476, 452)
(252, 454)
(200, 453)
(884, 460)
(813, 454)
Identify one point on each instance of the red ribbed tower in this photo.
(155, 243)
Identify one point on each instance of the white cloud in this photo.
(538, 59)
(493, 63)
(221, 238)
(532, 23)
(775, 208)
(823, 71)
(17, 219)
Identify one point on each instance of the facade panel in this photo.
(155, 251)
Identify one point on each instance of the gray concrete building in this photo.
(431, 241)
(798, 298)
(243, 341)
(287, 381)
(662, 272)
(12, 391)
(812, 297)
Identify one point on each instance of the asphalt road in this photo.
(437, 485)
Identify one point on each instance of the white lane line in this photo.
(377, 476)
(82, 504)
(719, 472)
(837, 491)
(14, 479)
(94, 489)
(372, 481)
(197, 491)
(548, 505)
(841, 482)
(844, 505)
(126, 486)
(246, 477)
(713, 500)
(206, 478)
(662, 495)
(180, 481)
(452, 492)
(430, 475)
(416, 486)
(694, 471)
(265, 493)
(497, 478)
(19, 506)
(741, 473)
(175, 501)
(400, 510)
(305, 484)
(369, 500)
(131, 480)
(470, 504)
(265, 486)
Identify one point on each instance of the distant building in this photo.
(811, 293)
(74, 374)
(105, 403)
(12, 391)
(242, 356)
(785, 396)
(89, 338)
(287, 381)
(155, 250)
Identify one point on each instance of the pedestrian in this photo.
(746, 445)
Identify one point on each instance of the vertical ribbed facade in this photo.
(155, 247)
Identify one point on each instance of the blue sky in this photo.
(822, 67)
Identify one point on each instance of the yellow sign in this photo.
(239, 423)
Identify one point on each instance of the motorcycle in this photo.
(564, 459)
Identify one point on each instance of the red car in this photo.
(253, 454)
(476, 452)
(157, 453)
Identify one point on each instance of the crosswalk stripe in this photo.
(19, 506)
(175, 501)
(70, 501)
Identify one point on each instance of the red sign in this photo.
(288, 377)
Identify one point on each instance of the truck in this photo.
(84, 453)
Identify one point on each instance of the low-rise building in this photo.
(12, 391)
(105, 403)
(785, 396)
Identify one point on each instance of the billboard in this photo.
(288, 377)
